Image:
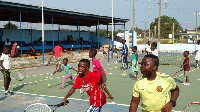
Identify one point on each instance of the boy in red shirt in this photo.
(186, 67)
(90, 82)
(58, 50)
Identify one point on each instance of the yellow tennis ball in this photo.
(48, 84)
(18, 47)
(72, 45)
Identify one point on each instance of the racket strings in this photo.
(38, 108)
(19, 75)
(192, 108)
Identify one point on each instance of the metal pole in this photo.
(43, 32)
(98, 35)
(145, 35)
(79, 34)
(149, 18)
(132, 39)
(53, 31)
(133, 15)
(112, 29)
(124, 31)
(159, 25)
(155, 32)
(196, 24)
(107, 30)
(173, 34)
(21, 31)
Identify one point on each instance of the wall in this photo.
(14, 35)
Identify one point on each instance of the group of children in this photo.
(94, 83)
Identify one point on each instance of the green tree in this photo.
(166, 24)
(198, 28)
(139, 31)
(10, 26)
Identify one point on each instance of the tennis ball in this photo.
(18, 47)
(72, 45)
(48, 85)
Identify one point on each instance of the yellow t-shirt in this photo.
(154, 94)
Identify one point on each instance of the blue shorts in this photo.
(94, 109)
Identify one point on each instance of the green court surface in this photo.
(119, 86)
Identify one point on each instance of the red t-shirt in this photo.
(97, 65)
(57, 50)
(187, 66)
(91, 85)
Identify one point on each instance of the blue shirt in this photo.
(125, 50)
(66, 68)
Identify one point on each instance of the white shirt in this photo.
(155, 52)
(198, 48)
(6, 60)
(148, 48)
(7, 43)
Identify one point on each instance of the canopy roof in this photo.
(10, 11)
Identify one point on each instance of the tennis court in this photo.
(120, 87)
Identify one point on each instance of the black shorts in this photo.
(5, 74)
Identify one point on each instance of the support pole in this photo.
(173, 34)
(42, 33)
(149, 19)
(124, 30)
(159, 25)
(107, 30)
(98, 35)
(53, 31)
(112, 31)
(21, 31)
(79, 34)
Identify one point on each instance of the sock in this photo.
(6, 91)
(197, 64)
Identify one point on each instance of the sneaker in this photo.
(9, 93)
(187, 84)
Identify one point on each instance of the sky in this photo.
(182, 10)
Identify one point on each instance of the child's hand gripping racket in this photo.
(192, 107)
(39, 107)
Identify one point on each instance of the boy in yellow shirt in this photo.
(153, 89)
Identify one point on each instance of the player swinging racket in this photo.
(5, 66)
(153, 89)
(90, 82)
(68, 72)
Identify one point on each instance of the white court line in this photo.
(111, 103)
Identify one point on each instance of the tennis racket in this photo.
(50, 75)
(125, 71)
(39, 107)
(176, 74)
(70, 53)
(19, 75)
(192, 107)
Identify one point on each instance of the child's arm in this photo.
(103, 77)
(71, 91)
(134, 104)
(174, 95)
(184, 64)
(14, 53)
(1, 61)
(74, 69)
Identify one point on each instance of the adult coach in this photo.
(124, 55)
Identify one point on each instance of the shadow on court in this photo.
(3, 98)
(19, 87)
(179, 81)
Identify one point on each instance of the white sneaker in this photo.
(187, 84)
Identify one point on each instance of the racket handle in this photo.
(61, 104)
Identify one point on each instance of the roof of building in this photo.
(10, 11)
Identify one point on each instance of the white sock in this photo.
(6, 91)
(197, 64)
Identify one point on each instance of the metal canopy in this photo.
(10, 11)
